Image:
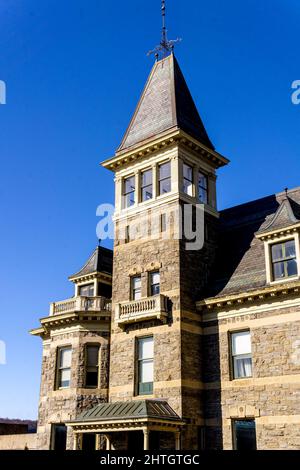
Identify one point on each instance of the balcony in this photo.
(149, 308)
(80, 304)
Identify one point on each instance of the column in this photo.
(177, 440)
(146, 438)
(77, 443)
(98, 441)
(108, 442)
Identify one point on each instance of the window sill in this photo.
(284, 280)
(241, 379)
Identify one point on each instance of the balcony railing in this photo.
(81, 304)
(150, 308)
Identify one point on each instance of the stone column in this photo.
(98, 441)
(146, 438)
(77, 443)
(108, 442)
(177, 440)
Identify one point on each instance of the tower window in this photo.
(155, 283)
(187, 179)
(146, 185)
(284, 260)
(64, 356)
(129, 191)
(92, 366)
(202, 188)
(164, 178)
(145, 365)
(244, 434)
(136, 288)
(87, 290)
(241, 354)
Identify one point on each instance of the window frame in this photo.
(284, 260)
(150, 284)
(138, 363)
(127, 193)
(132, 290)
(160, 180)
(205, 189)
(59, 349)
(232, 356)
(268, 258)
(86, 366)
(143, 187)
(80, 286)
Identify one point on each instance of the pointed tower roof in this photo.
(165, 104)
(287, 214)
(100, 261)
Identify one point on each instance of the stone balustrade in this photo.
(80, 304)
(143, 309)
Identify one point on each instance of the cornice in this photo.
(280, 232)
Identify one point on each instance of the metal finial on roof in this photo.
(165, 46)
(286, 191)
(99, 242)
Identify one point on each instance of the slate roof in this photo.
(101, 260)
(240, 261)
(129, 410)
(166, 103)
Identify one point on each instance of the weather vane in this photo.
(165, 45)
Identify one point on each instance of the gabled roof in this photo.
(100, 261)
(166, 104)
(136, 409)
(286, 215)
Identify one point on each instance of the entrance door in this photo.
(135, 441)
(88, 442)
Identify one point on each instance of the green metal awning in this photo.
(136, 409)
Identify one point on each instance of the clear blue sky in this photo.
(74, 71)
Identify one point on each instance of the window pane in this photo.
(147, 178)
(65, 378)
(187, 172)
(279, 270)
(245, 435)
(165, 171)
(147, 193)
(129, 184)
(146, 348)
(146, 371)
(241, 343)
(277, 252)
(290, 249)
(187, 187)
(137, 295)
(92, 355)
(65, 357)
(292, 269)
(203, 195)
(155, 278)
(165, 186)
(242, 367)
(202, 180)
(129, 200)
(92, 378)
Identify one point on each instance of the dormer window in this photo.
(187, 179)
(129, 191)
(146, 185)
(202, 188)
(164, 178)
(284, 260)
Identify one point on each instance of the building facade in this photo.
(187, 335)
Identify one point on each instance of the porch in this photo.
(135, 425)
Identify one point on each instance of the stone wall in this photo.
(18, 442)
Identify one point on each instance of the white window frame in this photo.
(234, 356)
(268, 257)
(59, 368)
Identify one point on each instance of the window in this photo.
(129, 191)
(155, 283)
(145, 366)
(284, 260)
(136, 285)
(64, 367)
(92, 366)
(244, 434)
(202, 188)
(146, 185)
(187, 179)
(59, 437)
(87, 290)
(241, 354)
(164, 178)
(163, 222)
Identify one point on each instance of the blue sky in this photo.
(74, 72)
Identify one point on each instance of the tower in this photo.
(165, 163)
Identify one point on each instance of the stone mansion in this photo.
(162, 347)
